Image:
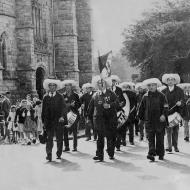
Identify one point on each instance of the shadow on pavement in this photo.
(82, 155)
(138, 148)
(65, 165)
(183, 155)
(130, 155)
(123, 166)
(183, 168)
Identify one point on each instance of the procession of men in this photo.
(152, 109)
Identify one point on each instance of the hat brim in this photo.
(47, 82)
(175, 76)
(152, 81)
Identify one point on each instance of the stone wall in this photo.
(85, 42)
(7, 32)
(66, 45)
(73, 43)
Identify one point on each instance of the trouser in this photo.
(130, 127)
(72, 130)
(172, 136)
(120, 136)
(89, 125)
(58, 132)
(142, 129)
(156, 143)
(111, 141)
(136, 126)
(186, 128)
(2, 126)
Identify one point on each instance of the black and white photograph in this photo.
(94, 94)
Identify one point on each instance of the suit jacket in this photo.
(52, 109)
(85, 99)
(6, 106)
(105, 119)
(133, 104)
(173, 97)
(118, 91)
(72, 98)
(152, 106)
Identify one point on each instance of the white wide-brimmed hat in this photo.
(87, 85)
(73, 83)
(183, 85)
(116, 78)
(161, 88)
(175, 76)
(127, 85)
(139, 85)
(51, 81)
(97, 78)
(152, 81)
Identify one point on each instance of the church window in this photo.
(3, 50)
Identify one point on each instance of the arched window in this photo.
(3, 50)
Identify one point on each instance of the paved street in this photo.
(25, 168)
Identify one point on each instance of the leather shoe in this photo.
(169, 149)
(150, 157)
(66, 150)
(74, 150)
(176, 149)
(161, 158)
(97, 158)
(49, 157)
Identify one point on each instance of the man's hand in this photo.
(73, 103)
(106, 106)
(178, 103)
(162, 118)
(121, 104)
(61, 120)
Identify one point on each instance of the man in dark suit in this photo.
(85, 100)
(73, 104)
(175, 97)
(53, 116)
(6, 106)
(103, 110)
(132, 113)
(153, 110)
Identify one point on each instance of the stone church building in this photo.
(44, 37)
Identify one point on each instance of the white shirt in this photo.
(52, 94)
(114, 88)
(171, 88)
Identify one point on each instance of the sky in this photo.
(110, 17)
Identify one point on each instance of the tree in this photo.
(154, 42)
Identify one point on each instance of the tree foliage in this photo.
(159, 38)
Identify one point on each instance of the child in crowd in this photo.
(30, 127)
(20, 119)
(12, 127)
(38, 112)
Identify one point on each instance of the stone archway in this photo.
(40, 75)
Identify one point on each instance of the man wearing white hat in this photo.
(53, 116)
(175, 97)
(73, 104)
(128, 90)
(153, 110)
(85, 100)
(186, 111)
(103, 110)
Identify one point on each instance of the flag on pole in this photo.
(104, 63)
